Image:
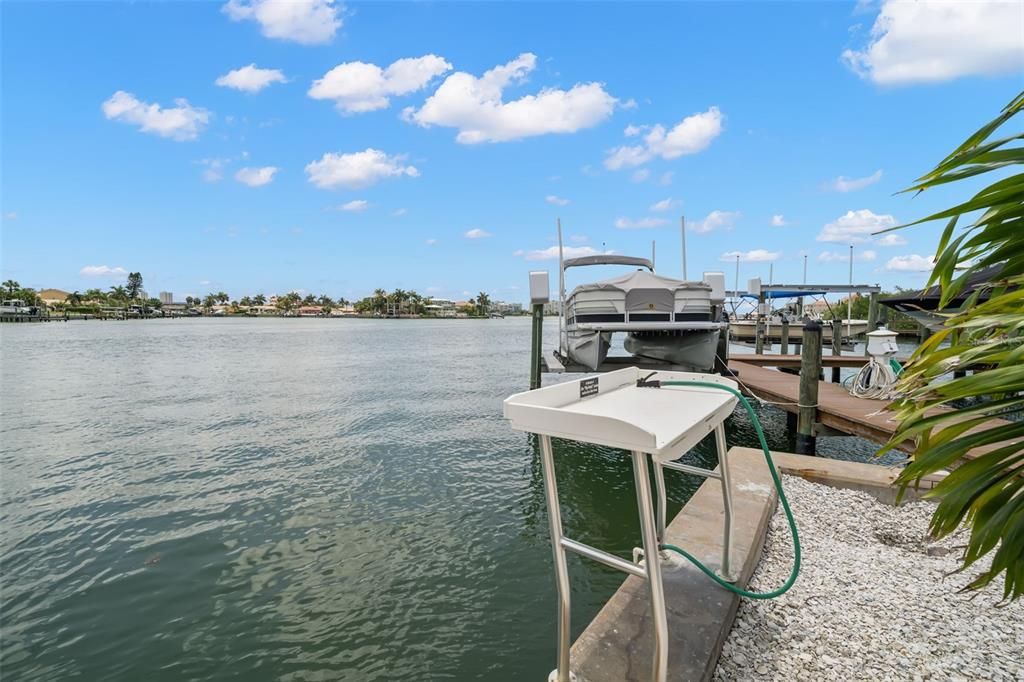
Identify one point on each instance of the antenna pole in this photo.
(682, 234)
(652, 252)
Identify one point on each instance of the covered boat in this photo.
(665, 319)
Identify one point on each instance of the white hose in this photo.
(875, 381)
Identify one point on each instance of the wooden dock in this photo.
(837, 409)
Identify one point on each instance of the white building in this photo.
(166, 297)
(440, 307)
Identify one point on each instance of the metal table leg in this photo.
(653, 565)
(723, 467)
(562, 673)
(659, 482)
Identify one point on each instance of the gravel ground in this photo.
(872, 602)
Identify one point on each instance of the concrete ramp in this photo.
(618, 644)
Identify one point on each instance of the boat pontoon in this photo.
(664, 319)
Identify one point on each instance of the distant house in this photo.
(817, 308)
(440, 307)
(507, 308)
(53, 296)
(311, 310)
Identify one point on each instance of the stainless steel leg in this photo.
(659, 482)
(562, 673)
(653, 566)
(723, 467)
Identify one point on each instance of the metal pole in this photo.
(653, 564)
(723, 467)
(682, 231)
(810, 368)
(800, 301)
(562, 344)
(659, 487)
(849, 299)
(536, 348)
(561, 673)
(653, 261)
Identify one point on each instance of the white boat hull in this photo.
(746, 330)
(692, 349)
(588, 348)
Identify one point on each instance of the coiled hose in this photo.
(782, 498)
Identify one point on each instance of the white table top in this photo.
(610, 409)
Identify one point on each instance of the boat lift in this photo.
(617, 409)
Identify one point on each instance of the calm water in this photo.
(292, 500)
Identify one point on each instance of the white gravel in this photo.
(873, 601)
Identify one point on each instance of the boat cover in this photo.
(641, 280)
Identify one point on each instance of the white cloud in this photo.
(355, 206)
(256, 177)
(691, 135)
(10, 215)
(910, 263)
(399, 212)
(309, 22)
(475, 106)
(640, 175)
(639, 223)
(102, 271)
(181, 122)
(892, 239)
(551, 253)
(753, 256)
(250, 78)
(430, 242)
(778, 220)
(665, 179)
(357, 169)
(357, 87)
(855, 226)
(927, 42)
(844, 184)
(632, 130)
(476, 233)
(664, 205)
(716, 220)
(844, 256)
(556, 201)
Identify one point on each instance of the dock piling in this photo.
(760, 328)
(784, 345)
(536, 346)
(810, 368)
(872, 318)
(837, 346)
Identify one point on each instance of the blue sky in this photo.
(134, 138)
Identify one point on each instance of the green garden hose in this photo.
(778, 486)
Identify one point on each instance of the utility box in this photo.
(716, 280)
(882, 343)
(540, 290)
(754, 286)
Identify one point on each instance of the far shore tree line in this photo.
(396, 303)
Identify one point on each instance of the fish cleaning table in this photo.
(628, 409)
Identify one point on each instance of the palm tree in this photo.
(74, 298)
(986, 490)
(118, 293)
(210, 301)
(483, 303)
(380, 300)
(11, 287)
(259, 299)
(222, 297)
(310, 299)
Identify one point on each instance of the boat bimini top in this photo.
(607, 259)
